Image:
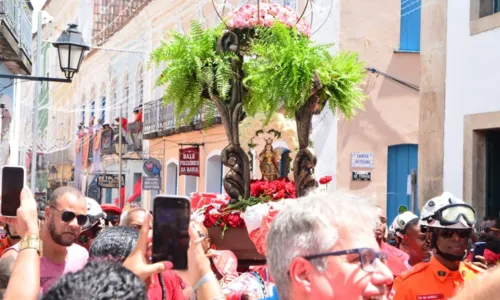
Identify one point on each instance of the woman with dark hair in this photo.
(116, 243)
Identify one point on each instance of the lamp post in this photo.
(71, 49)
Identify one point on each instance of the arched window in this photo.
(139, 88)
(190, 185)
(171, 183)
(125, 97)
(214, 174)
(103, 103)
(113, 105)
(84, 100)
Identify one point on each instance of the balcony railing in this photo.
(160, 120)
(131, 140)
(17, 16)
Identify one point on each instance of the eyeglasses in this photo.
(488, 229)
(448, 233)
(451, 214)
(367, 257)
(68, 216)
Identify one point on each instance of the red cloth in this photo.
(118, 201)
(198, 200)
(395, 259)
(137, 191)
(173, 286)
(138, 116)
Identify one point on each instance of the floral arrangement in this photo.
(266, 15)
(222, 216)
(275, 190)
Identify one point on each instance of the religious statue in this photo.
(269, 160)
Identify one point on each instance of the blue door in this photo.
(401, 160)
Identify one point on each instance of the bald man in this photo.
(133, 218)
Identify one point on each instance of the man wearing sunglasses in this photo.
(65, 215)
(322, 247)
(448, 223)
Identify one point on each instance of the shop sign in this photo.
(189, 161)
(151, 183)
(152, 167)
(361, 176)
(109, 181)
(362, 160)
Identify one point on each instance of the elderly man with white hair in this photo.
(322, 247)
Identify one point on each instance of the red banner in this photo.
(97, 140)
(85, 154)
(189, 161)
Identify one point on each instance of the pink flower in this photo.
(230, 23)
(269, 21)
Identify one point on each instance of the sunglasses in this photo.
(367, 257)
(488, 229)
(68, 216)
(448, 233)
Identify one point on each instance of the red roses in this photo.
(222, 217)
(325, 179)
(276, 189)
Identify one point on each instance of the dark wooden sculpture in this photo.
(237, 180)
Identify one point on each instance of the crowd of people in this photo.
(322, 246)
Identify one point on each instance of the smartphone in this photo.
(12, 185)
(171, 216)
(479, 248)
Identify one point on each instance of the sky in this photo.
(37, 4)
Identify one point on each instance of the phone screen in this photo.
(171, 215)
(479, 248)
(12, 185)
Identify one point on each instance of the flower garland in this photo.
(278, 127)
(248, 16)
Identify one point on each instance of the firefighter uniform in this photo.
(431, 281)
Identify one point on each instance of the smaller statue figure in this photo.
(269, 161)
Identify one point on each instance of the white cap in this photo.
(94, 211)
(401, 220)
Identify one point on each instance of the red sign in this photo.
(189, 161)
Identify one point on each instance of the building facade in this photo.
(383, 137)
(15, 58)
(468, 108)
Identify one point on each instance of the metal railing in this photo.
(161, 118)
(18, 18)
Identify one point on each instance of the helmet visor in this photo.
(452, 214)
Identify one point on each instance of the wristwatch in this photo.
(31, 242)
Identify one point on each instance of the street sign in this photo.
(361, 176)
(362, 160)
(151, 183)
(109, 181)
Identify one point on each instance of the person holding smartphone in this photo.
(66, 215)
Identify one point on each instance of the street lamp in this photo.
(70, 48)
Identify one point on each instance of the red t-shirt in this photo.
(173, 287)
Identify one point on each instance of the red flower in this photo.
(233, 220)
(279, 195)
(325, 179)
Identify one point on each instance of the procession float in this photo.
(263, 75)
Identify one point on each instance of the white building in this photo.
(470, 104)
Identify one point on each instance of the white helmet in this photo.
(399, 223)
(94, 212)
(447, 211)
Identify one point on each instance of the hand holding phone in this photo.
(12, 185)
(171, 217)
(479, 248)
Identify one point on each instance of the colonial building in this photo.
(15, 58)
(460, 130)
(383, 137)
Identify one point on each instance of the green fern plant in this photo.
(282, 72)
(195, 71)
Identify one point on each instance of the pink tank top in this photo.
(51, 272)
